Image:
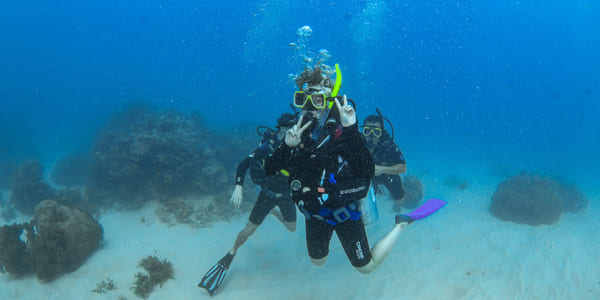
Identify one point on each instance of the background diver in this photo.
(274, 192)
(388, 158)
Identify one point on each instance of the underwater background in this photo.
(111, 97)
(507, 85)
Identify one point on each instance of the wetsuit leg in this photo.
(318, 236)
(287, 208)
(377, 181)
(382, 248)
(353, 237)
(262, 207)
(394, 184)
(286, 213)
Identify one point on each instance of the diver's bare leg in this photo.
(319, 261)
(290, 226)
(383, 248)
(243, 236)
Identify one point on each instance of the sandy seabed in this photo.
(461, 252)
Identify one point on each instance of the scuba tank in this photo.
(368, 204)
(368, 207)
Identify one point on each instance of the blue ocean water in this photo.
(507, 84)
(473, 88)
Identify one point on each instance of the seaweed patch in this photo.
(157, 273)
(104, 286)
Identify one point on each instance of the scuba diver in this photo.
(274, 192)
(389, 161)
(329, 169)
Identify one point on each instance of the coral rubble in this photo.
(104, 286)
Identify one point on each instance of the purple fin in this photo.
(429, 207)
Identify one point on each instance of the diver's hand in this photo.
(293, 136)
(378, 170)
(237, 196)
(347, 113)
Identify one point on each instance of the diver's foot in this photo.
(404, 219)
(226, 260)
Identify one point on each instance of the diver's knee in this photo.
(366, 269)
(318, 261)
(291, 226)
(250, 228)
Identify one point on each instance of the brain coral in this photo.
(534, 200)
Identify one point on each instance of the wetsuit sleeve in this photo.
(401, 159)
(240, 174)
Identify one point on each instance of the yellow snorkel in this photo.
(338, 83)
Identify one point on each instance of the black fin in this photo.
(213, 278)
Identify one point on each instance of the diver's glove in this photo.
(237, 196)
(293, 136)
(347, 113)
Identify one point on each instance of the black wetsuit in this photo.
(387, 153)
(275, 189)
(328, 176)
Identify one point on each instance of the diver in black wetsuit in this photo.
(389, 160)
(329, 170)
(274, 192)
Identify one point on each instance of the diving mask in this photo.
(368, 130)
(319, 101)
